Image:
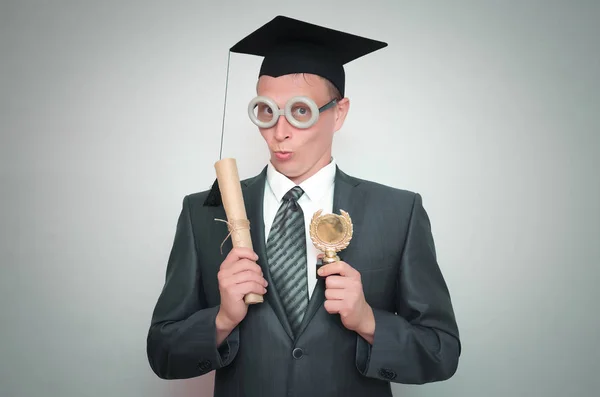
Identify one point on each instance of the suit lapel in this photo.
(351, 200)
(253, 191)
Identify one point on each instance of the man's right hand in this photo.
(239, 275)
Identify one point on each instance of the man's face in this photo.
(300, 153)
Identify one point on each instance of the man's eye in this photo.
(301, 111)
(265, 109)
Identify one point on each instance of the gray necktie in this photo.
(286, 250)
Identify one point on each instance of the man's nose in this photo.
(282, 129)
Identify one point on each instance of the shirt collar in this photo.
(314, 187)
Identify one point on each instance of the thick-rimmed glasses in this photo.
(300, 111)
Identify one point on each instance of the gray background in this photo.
(110, 112)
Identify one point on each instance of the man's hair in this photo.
(332, 90)
(334, 93)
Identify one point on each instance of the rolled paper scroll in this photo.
(235, 209)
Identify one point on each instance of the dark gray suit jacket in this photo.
(416, 335)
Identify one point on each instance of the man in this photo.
(381, 314)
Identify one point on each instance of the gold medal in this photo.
(331, 233)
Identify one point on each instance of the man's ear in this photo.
(342, 108)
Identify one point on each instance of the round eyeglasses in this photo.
(300, 111)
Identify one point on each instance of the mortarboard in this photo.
(292, 46)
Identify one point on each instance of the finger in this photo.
(245, 265)
(248, 287)
(335, 294)
(225, 274)
(245, 276)
(336, 282)
(328, 269)
(340, 267)
(239, 253)
(333, 306)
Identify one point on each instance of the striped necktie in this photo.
(286, 252)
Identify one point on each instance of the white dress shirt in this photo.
(318, 195)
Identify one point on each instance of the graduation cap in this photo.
(292, 46)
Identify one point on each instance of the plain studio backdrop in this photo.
(111, 111)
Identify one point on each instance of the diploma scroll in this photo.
(235, 209)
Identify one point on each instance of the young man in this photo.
(381, 314)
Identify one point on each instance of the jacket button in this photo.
(297, 353)
(204, 365)
(387, 374)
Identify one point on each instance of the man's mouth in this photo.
(283, 155)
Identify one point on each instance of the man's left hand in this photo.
(344, 295)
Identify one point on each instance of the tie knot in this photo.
(294, 193)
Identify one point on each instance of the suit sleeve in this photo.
(420, 342)
(181, 341)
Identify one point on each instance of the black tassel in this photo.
(214, 196)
